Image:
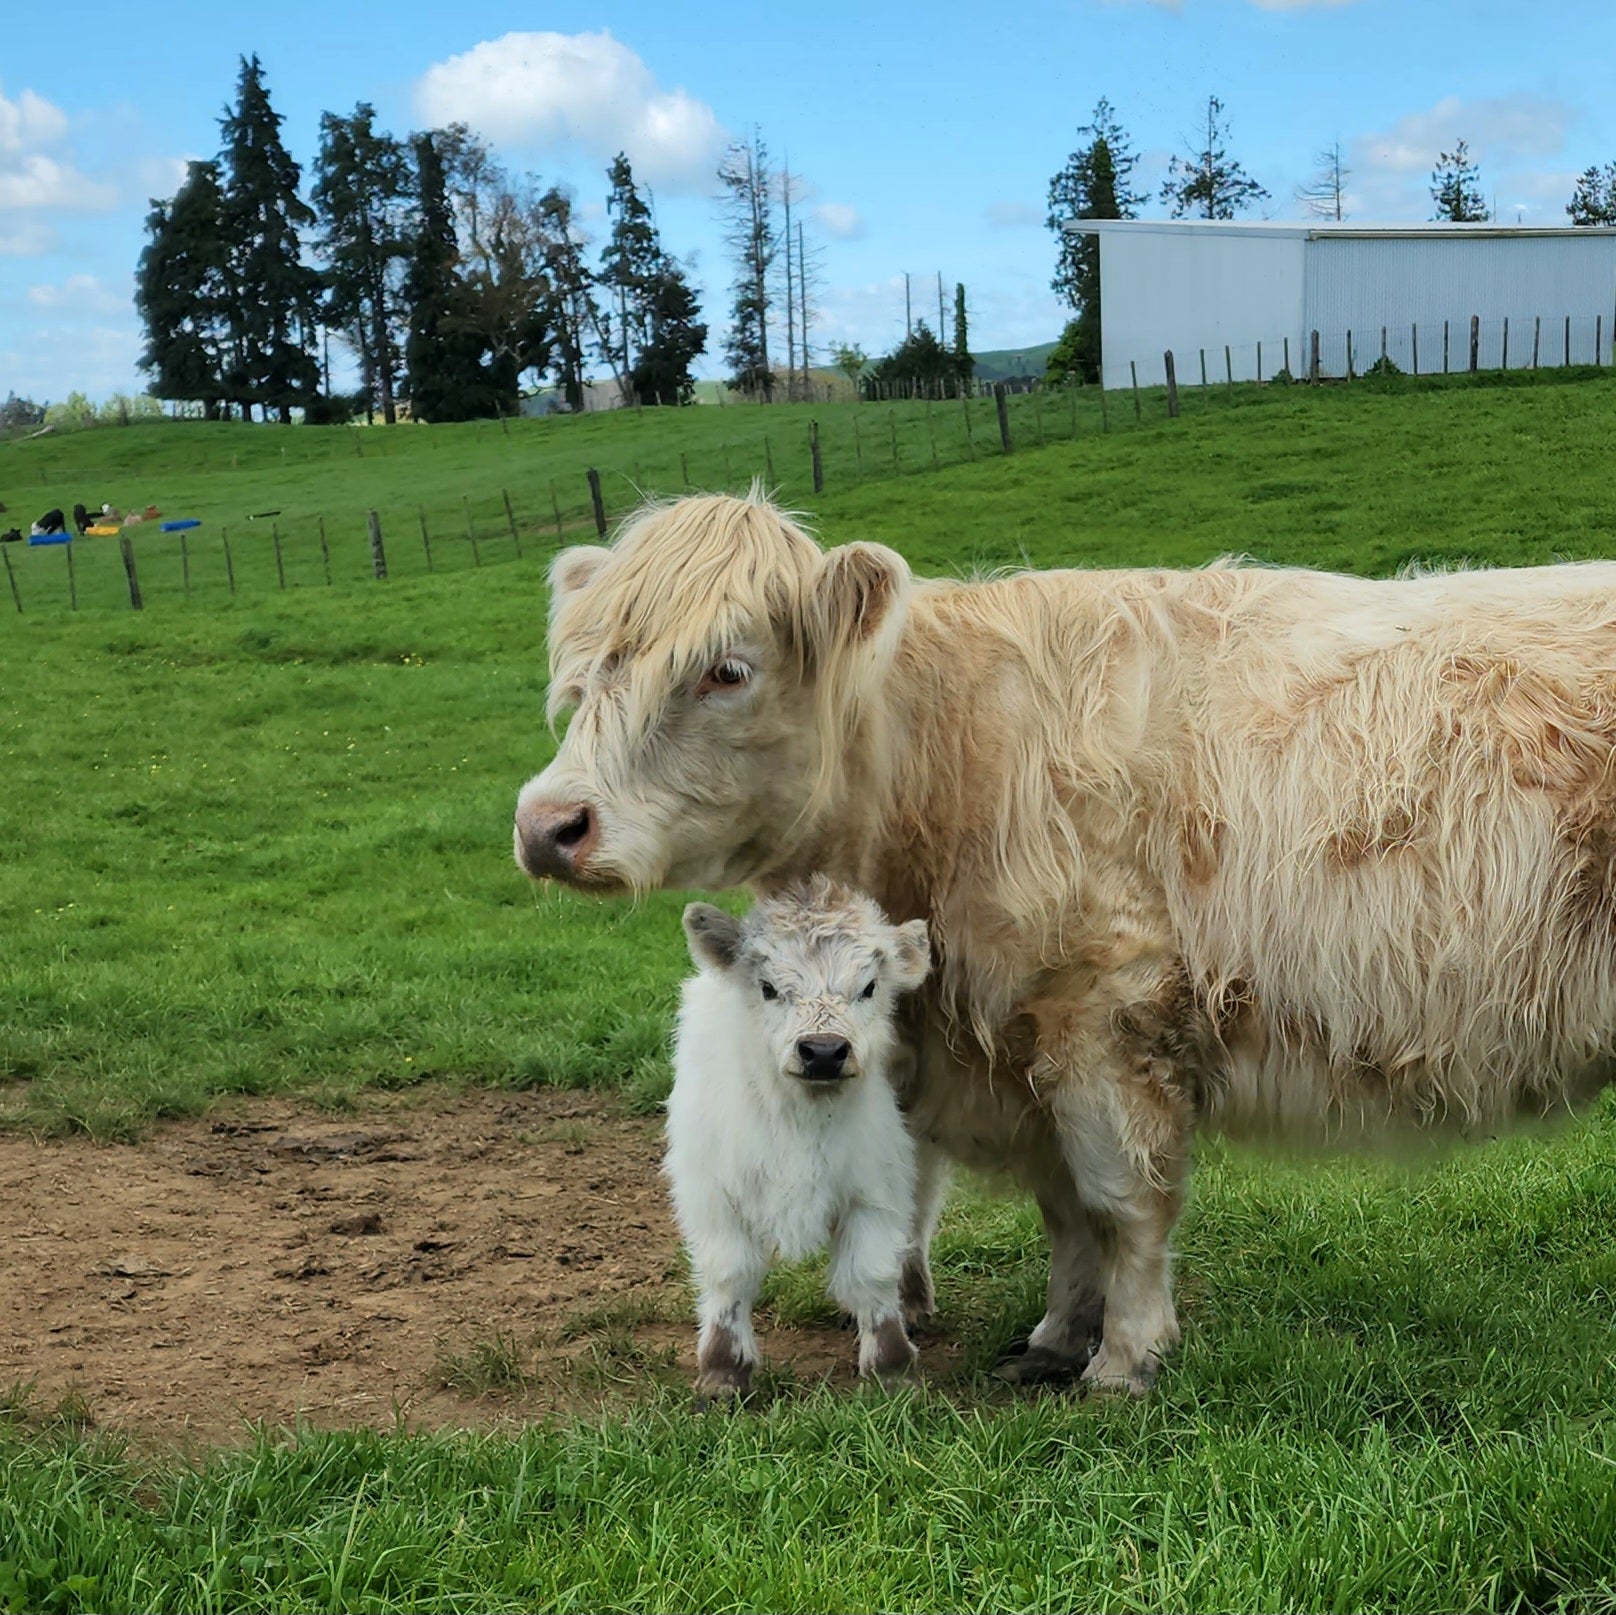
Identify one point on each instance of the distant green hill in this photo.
(1002, 363)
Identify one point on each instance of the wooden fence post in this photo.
(128, 550)
(1003, 411)
(378, 556)
(600, 504)
(1475, 342)
(970, 437)
(1259, 364)
(1599, 339)
(11, 578)
(1203, 372)
(1172, 385)
(280, 567)
(1313, 358)
(426, 537)
(1414, 345)
(1228, 369)
(1349, 356)
(1444, 347)
(471, 532)
(510, 518)
(1133, 370)
(185, 565)
(892, 432)
(1288, 358)
(1383, 348)
(325, 553)
(813, 455)
(931, 432)
(1105, 418)
(1503, 362)
(1568, 339)
(555, 503)
(768, 457)
(229, 564)
(684, 471)
(73, 582)
(1537, 335)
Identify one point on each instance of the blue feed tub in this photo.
(180, 526)
(50, 538)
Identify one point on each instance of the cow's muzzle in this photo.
(555, 840)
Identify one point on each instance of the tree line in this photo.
(449, 278)
(1207, 182)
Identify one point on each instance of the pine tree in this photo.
(442, 354)
(275, 297)
(964, 364)
(1324, 196)
(674, 338)
(1210, 184)
(360, 195)
(629, 265)
(574, 314)
(1456, 188)
(920, 360)
(1094, 184)
(750, 234)
(181, 293)
(1594, 200)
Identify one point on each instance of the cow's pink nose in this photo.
(556, 839)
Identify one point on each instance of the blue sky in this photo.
(924, 136)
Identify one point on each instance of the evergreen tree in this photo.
(274, 296)
(1456, 188)
(574, 315)
(629, 265)
(1594, 200)
(1094, 184)
(750, 234)
(360, 194)
(675, 336)
(964, 364)
(442, 354)
(182, 289)
(919, 361)
(1210, 184)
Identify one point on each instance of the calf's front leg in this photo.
(866, 1264)
(729, 1265)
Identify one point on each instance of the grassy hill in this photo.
(1000, 364)
(261, 844)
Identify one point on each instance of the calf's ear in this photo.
(911, 955)
(713, 935)
(573, 569)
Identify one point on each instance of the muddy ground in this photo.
(427, 1258)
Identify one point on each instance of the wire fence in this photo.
(551, 497)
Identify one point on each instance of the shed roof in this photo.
(1315, 230)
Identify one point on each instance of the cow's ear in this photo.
(573, 569)
(713, 935)
(911, 956)
(860, 593)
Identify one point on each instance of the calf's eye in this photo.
(767, 989)
(869, 992)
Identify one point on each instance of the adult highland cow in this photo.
(1252, 848)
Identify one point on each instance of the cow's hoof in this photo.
(726, 1389)
(1103, 1378)
(1038, 1365)
(887, 1353)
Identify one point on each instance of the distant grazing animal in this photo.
(784, 1134)
(12, 535)
(53, 521)
(81, 519)
(1258, 848)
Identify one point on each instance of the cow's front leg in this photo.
(1062, 1343)
(866, 1262)
(931, 1186)
(1125, 1132)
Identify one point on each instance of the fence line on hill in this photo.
(264, 552)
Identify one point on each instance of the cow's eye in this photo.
(729, 674)
(869, 991)
(767, 989)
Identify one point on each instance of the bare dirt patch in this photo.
(444, 1260)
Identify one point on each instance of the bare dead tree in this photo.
(749, 233)
(1324, 195)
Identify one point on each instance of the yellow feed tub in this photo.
(101, 530)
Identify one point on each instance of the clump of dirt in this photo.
(441, 1260)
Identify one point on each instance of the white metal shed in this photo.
(1244, 298)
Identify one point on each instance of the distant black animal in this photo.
(53, 521)
(82, 519)
(12, 535)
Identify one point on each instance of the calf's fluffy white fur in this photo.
(784, 1133)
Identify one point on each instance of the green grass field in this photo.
(262, 844)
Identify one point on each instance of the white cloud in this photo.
(78, 294)
(544, 90)
(839, 221)
(163, 176)
(1012, 215)
(1503, 129)
(29, 121)
(36, 181)
(25, 238)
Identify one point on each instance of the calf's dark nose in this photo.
(555, 839)
(823, 1058)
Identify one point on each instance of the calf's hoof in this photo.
(886, 1353)
(1106, 1377)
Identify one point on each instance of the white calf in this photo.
(784, 1135)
